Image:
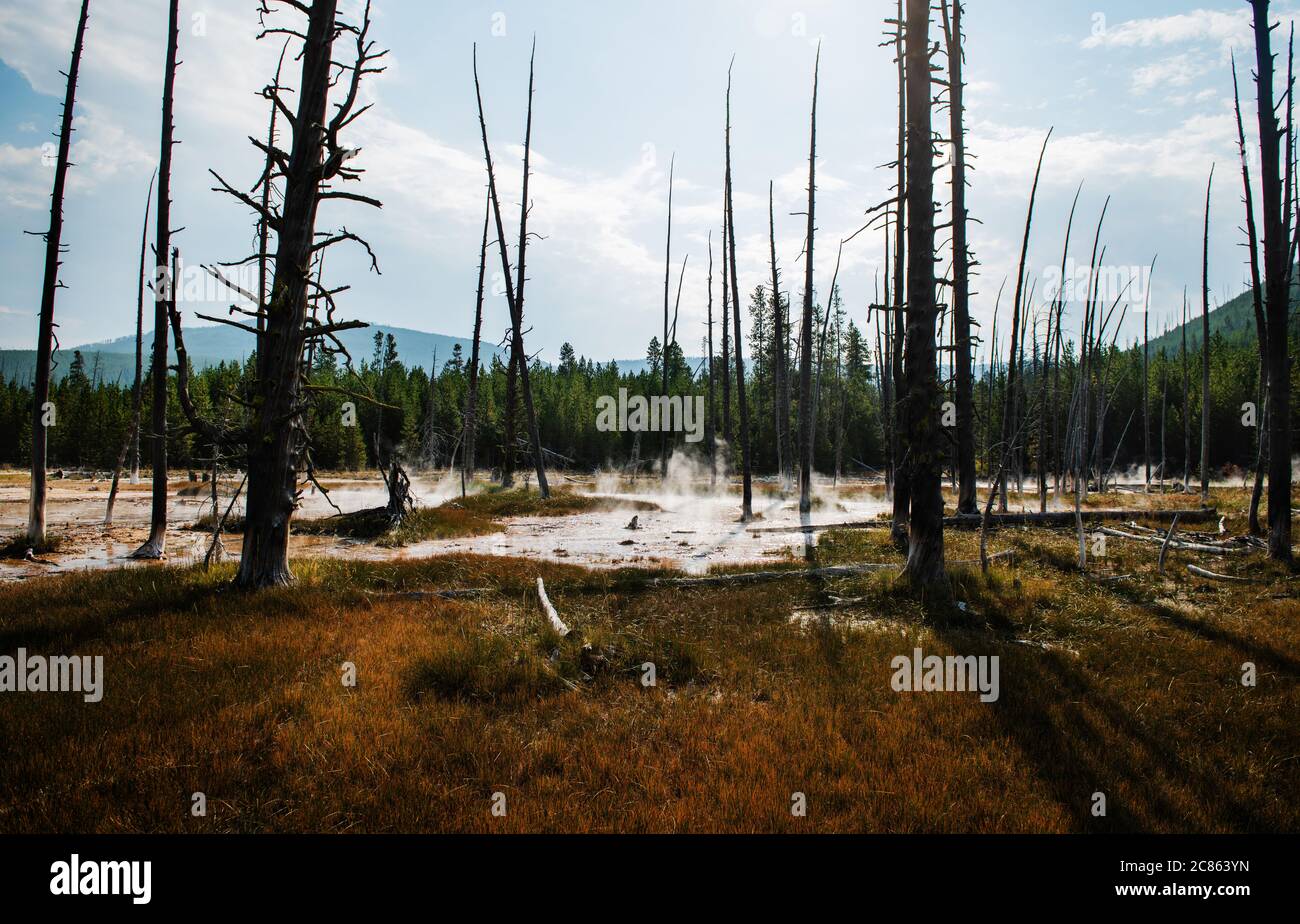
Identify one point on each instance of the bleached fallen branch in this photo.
(1184, 546)
(552, 616)
(833, 571)
(1210, 575)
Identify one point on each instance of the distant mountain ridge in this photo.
(212, 344)
(1234, 319)
(209, 345)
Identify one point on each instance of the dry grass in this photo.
(1130, 687)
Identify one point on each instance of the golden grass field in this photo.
(1130, 687)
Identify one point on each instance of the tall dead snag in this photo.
(1013, 368)
(780, 340)
(1187, 405)
(515, 289)
(137, 391)
(925, 445)
(1205, 347)
(42, 412)
(747, 487)
(468, 461)
(668, 268)
(510, 416)
(1277, 284)
(275, 440)
(902, 471)
(163, 294)
(726, 335)
(1053, 390)
(710, 423)
(961, 262)
(807, 412)
(1257, 303)
(268, 171)
(1146, 379)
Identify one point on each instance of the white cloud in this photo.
(1184, 152)
(1176, 71)
(1197, 26)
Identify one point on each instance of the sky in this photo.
(1138, 97)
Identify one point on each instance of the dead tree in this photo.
(275, 441)
(164, 294)
(961, 263)
(1187, 405)
(1205, 347)
(510, 416)
(1146, 379)
(780, 340)
(1257, 304)
(668, 260)
(925, 556)
(726, 335)
(747, 487)
(515, 290)
(807, 410)
(1277, 285)
(137, 392)
(42, 412)
(1009, 407)
(1058, 448)
(268, 171)
(710, 422)
(468, 461)
(902, 469)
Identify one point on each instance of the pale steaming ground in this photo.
(696, 526)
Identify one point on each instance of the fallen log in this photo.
(1210, 575)
(1051, 518)
(762, 577)
(1066, 517)
(1184, 546)
(456, 593)
(833, 571)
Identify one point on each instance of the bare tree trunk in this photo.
(747, 488)
(902, 460)
(1277, 284)
(1164, 403)
(1146, 381)
(43, 414)
(1010, 403)
(515, 292)
(780, 338)
(726, 336)
(806, 409)
(1205, 348)
(511, 418)
(710, 422)
(274, 452)
(668, 258)
(965, 399)
(1261, 324)
(137, 392)
(164, 292)
(263, 225)
(468, 460)
(925, 557)
(1187, 406)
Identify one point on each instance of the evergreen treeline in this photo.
(422, 418)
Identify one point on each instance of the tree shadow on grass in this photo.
(1081, 740)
